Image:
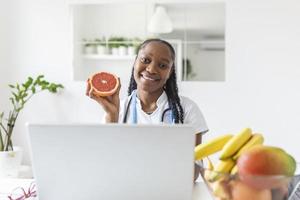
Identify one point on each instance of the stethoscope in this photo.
(132, 104)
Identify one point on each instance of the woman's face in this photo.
(153, 66)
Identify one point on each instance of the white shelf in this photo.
(108, 57)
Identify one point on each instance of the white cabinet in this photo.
(197, 37)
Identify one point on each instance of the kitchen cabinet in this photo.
(198, 39)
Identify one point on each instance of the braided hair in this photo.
(170, 87)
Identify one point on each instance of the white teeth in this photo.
(148, 78)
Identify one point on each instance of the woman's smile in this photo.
(148, 77)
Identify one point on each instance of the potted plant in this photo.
(89, 47)
(136, 43)
(130, 48)
(100, 46)
(114, 44)
(11, 156)
(122, 46)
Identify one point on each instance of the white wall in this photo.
(6, 54)
(262, 70)
(262, 74)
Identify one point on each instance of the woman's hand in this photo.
(110, 104)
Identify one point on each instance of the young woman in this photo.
(152, 93)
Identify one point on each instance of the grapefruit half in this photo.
(104, 83)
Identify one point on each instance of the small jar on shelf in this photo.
(101, 46)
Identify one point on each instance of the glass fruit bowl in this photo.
(226, 186)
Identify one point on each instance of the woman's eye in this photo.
(162, 65)
(145, 60)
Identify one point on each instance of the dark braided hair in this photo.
(170, 87)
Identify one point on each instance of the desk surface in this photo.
(7, 185)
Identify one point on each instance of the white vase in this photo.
(101, 50)
(10, 162)
(115, 51)
(90, 49)
(131, 51)
(122, 51)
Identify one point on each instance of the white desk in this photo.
(7, 185)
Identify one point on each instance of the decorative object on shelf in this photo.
(114, 47)
(160, 22)
(89, 47)
(130, 49)
(136, 43)
(101, 46)
(10, 157)
(122, 46)
(113, 44)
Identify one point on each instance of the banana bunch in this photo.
(230, 148)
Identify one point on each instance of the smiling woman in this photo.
(153, 93)
(153, 66)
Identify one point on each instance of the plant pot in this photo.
(131, 51)
(115, 51)
(122, 51)
(90, 49)
(101, 50)
(10, 162)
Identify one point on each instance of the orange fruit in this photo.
(104, 83)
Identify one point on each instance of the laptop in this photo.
(112, 161)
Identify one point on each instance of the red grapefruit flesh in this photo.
(104, 84)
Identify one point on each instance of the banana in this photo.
(209, 171)
(212, 146)
(235, 143)
(210, 165)
(234, 170)
(256, 139)
(225, 166)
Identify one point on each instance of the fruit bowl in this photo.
(225, 186)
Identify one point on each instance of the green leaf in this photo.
(28, 82)
(24, 95)
(59, 86)
(53, 89)
(11, 86)
(38, 80)
(40, 76)
(33, 90)
(12, 100)
(44, 82)
(16, 97)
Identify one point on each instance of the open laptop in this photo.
(113, 161)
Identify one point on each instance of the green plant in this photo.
(100, 42)
(88, 43)
(113, 42)
(136, 43)
(122, 41)
(20, 95)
